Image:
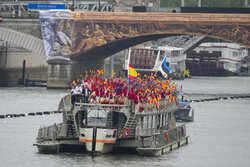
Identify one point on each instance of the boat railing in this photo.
(165, 137)
(49, 132)
(98, 105)
(148, 108)
(148, 132)
(141, 108)
(64, 103)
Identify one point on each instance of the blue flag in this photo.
(164, 68)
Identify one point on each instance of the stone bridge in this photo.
(97, 34)
(91, 36)
(25, 33)
(88, 36)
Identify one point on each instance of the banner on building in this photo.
(44, 6)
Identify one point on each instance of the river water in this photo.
(219, 136)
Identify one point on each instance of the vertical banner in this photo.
(56, 36)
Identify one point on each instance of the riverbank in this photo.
(13, 76)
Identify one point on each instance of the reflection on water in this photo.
(219, 136)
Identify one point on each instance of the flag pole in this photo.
(129, 53)
(158, 55)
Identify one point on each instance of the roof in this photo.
(155, 47)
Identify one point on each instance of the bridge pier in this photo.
(58, 74)
(61, 73)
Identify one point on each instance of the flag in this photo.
(164, 68)
(131, 72)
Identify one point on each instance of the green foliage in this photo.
(204, 3)
(191, 3)
(223, 3)
(170, 3)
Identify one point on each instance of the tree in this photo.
(205, 3)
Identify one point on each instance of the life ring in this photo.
(167, 137)
(126, 132)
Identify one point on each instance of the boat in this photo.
(185, 112)
(98, 128)
(216, 59)
(148, 59)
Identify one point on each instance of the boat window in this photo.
(168, 54)
(166, 117)
(142, 123)
(163, 119)
(155, 52)
(153, 122)
(145, 122)
(162, 55)
(175, 53)
(97, 117)
(160, 119)
(149, 122)
(235, 53)
(169, 118)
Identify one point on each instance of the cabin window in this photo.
(235, 53)
(97, 117)
(169, 118)
(163, 120)
(149, 122)
(175, 53)
(145, 122)
(162, 55)
(160, 120)
(153, 122)
(142, 122)
(166, 118)
(155, 52)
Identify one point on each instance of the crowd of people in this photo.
(92, 88)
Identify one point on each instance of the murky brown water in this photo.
(219, 136)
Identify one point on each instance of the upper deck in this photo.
(150, 58)
(162, 106)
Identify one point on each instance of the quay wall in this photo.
(11, 67)
(13, 76)
(14, 59)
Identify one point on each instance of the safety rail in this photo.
(99, 105)
(147, 108)
(165, 137)
(8, 6)
(49, 132)
(141, 108)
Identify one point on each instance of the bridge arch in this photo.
(20, 39)
(88, 35)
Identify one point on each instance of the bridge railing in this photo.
(22, 6)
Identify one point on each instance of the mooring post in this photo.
(23, 78)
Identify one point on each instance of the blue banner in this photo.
(46, 6)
